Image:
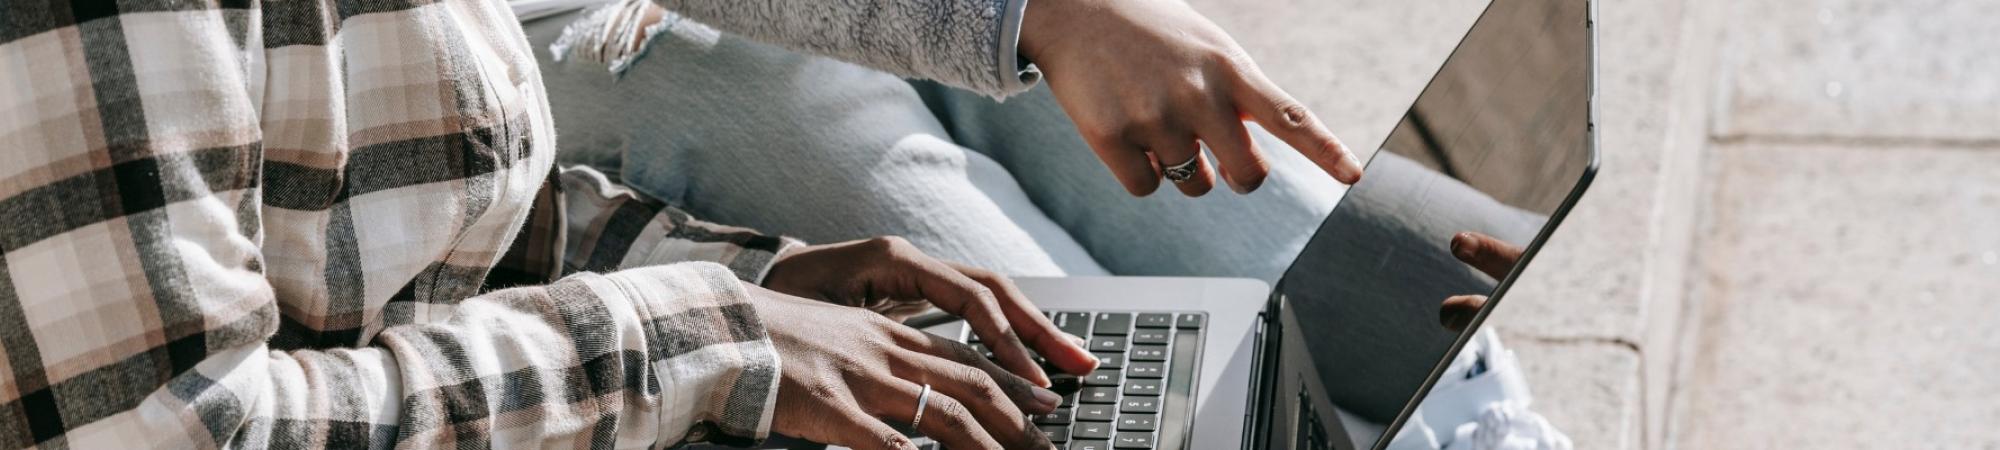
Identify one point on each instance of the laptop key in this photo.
(1090, 445)
(1143, 387)
(1148, 369)
(1151, 336)
(1075, 323)
(1095, 413)
(1098, 395)
(1136, 422)
(1140, 405)
(1107, 344)
(1191, 321)
(1103, 377)
(1066, 386)
(1154, 320)
(1061, 416)
(1091, 430)
(1110, 360)
(1057, 433)
(1112, 324)
(1133, 440)
(1148, 353)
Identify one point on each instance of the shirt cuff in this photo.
(1015, 72)
(716, 368)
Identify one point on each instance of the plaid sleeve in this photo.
(138, 244)
(654, 355)
(611, 226)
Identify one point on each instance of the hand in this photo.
(1145, 79)
(1489, 255)
(846, 370)
(895, 278)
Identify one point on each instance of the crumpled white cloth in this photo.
(618, 33)
(1507, 426)
(1483, 400)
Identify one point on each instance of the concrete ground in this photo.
(1794, 234)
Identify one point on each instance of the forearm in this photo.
(611, 227)
(662, 354)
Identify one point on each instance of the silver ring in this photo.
(923, 398)
(1181, 173)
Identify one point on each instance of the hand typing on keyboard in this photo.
(1140, 396)
(848, 373)
(892, 277)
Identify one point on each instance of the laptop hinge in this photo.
(1264, 355)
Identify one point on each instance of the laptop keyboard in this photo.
(1142, 394)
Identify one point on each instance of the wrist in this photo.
(1037, 23)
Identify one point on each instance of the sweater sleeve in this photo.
(971, 44)
(964, 43)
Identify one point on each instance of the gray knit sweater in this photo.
(970, 44)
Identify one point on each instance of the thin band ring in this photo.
(923, 398)
(1181, 173)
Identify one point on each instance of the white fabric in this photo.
(1482, 401)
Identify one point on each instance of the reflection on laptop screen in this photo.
(1494, 145)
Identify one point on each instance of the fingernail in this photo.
(1047, 398)
(1353, 168)
(1080, 343)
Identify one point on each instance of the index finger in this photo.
(1262, 101)
(960, 295)
(1031, 326)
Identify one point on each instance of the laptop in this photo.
(1339, 354)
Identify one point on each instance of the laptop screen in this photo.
(1493, 148)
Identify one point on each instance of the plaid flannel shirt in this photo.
(280, 224)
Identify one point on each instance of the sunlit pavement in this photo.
(1795, 237)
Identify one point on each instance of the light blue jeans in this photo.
(747, 134)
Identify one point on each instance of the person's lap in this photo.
(749, 134)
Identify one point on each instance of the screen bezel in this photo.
(1535, 246)
(1266, 395)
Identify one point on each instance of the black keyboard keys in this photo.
(1110, 360)
(1149, 369)
(1057, 433)
(1133, 440)
(1154, 320)
(1148, 353)
(1090, 445)
(1140, 405)
(1144, 387)
(1074, 323)
(1137, 422)
(1095, 413)
(1151, 336)
(1191, 321)
(1107, 344)
(1112, 324)
(1091, 430)
(1061, 416)
(1098, 395)
(1103, 377)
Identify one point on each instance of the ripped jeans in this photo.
(743, 133)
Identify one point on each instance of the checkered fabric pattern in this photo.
(279, 224)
